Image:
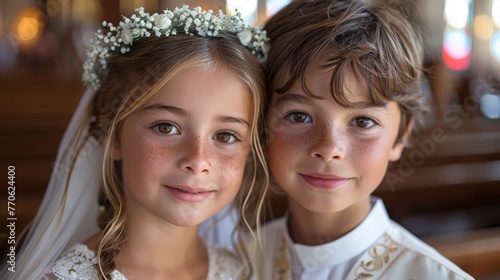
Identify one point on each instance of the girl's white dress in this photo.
(80, 263)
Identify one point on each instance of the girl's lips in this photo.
(324, 181)
(189, 194)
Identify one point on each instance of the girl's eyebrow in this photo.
(183, 113)
(171, 109)
(229, 119)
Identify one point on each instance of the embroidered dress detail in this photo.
(78, 263)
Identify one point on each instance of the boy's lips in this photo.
(324, 181)
(189, 194)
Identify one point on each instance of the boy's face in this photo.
(325, 156)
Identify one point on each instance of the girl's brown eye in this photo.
(166, 128)
(225, 137)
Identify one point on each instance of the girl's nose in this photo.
(196, 156)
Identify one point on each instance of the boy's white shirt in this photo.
(378, 248)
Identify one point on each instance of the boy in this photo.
(344, 93)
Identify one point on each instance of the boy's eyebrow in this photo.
(366, 105)
(297, 98)
(183, 113)
(292, 97)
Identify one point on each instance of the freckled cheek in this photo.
(364, 147)
(230, 167)
(370, 150)
(285, 144)
(151, 155)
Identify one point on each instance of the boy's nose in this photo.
(327, 145)
(195, 156)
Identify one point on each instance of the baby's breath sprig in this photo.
(119, 39)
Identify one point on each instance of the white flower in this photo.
(245, 36)
(127, 36)
(162, 21)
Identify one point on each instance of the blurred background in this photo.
(446, 188)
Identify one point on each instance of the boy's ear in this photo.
(397, 149)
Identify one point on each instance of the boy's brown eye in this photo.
(364, 122)
(300, 117)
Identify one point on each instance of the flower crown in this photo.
(120, 38)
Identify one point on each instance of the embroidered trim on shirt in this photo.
(377, 257)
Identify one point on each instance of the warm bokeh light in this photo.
(456, 13)
(483, 27)
(28, 28)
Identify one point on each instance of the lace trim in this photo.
(78, 263)
(222, 264)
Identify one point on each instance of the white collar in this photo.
(347, 247)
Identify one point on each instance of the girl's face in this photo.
(183, 152)
(327, 157)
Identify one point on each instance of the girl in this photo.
(168, 128)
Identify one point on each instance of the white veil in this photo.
(67, 215)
